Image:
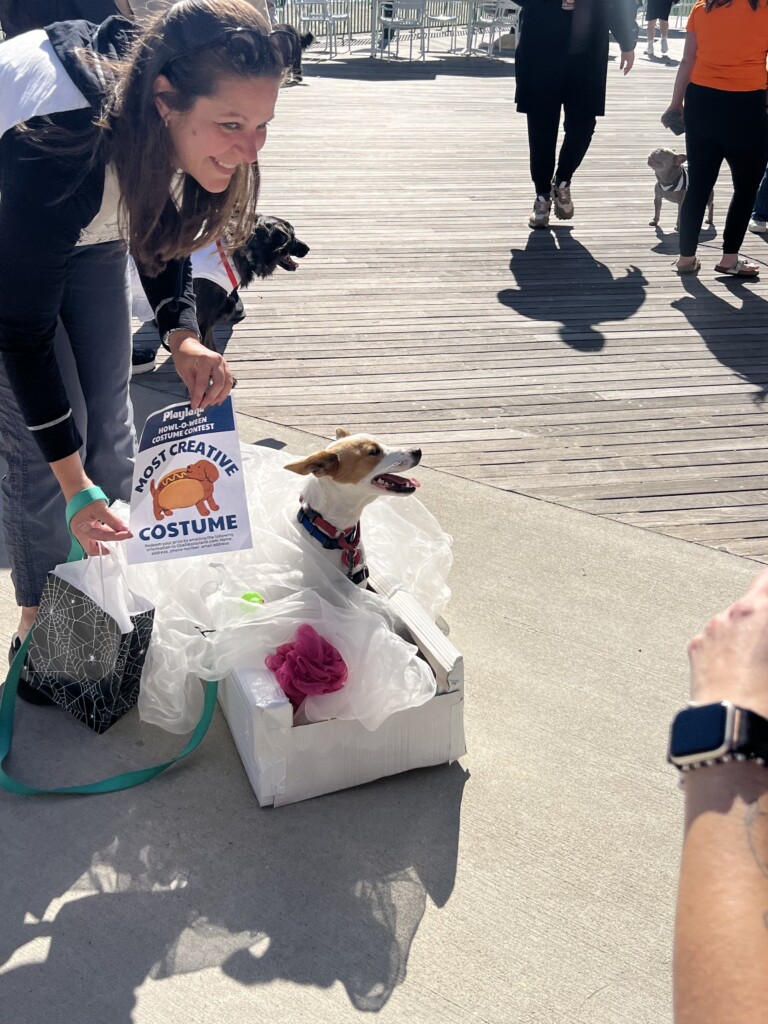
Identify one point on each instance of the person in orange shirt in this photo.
(721, 91)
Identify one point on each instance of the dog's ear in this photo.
(321, 464)
(341, 432)
(211, 472)
(680, 158)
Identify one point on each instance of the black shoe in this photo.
(25, 689)
(143, 360)
(235, 311)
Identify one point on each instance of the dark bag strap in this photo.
(8, 705)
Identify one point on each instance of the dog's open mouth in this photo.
(287, 263)
(395, 484)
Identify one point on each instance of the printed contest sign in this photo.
(188, 493)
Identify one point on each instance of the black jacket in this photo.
(542, 55)
(17, 16)
(39, 232)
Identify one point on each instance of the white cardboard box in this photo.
(286, 763)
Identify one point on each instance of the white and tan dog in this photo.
(343, 478)
(672, 183)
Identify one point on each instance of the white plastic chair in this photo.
(497, 18)
(398, 16)
(323, 17)
(338, 21)
(311, 16)
(444, 16)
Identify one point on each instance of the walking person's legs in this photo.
(578, 130)
(745, 141)
(657, 11)
(705, 156)
(759, 220)
(664, 32)
(651, 35)
(747, 167)
(662, 11)
(542, 148)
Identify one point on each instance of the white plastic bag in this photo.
(103, 579)
(204, 628)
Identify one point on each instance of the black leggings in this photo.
(730, 126)
(542, 142)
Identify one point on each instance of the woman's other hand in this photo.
(95, 525)
(729, 660)
(627, 60)
(205, 373)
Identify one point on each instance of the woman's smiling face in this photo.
(222, 130)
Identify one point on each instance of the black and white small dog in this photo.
(217, 274)
(301, 42)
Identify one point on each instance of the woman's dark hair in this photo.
(709, 4)
(194, 43)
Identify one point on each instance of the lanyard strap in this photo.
(8, 706)
(112, 785)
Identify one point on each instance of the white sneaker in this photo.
(563, 204)
(649, 50)
(664, 45)
(758, 227)
(540, 215)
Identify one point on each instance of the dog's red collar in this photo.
(233, 279)
(331, 538)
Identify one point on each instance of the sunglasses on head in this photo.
(245, 47)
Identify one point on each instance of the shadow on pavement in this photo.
(360, 65)
(741, 344)
(188, 873)
(558, 279)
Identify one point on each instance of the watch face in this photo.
(699, 732)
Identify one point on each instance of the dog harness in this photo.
(213, 264)
(332, 539)
(680, 185)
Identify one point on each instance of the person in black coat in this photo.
(560, 64)
(18, 16)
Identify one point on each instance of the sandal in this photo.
(691, 268)
(741, 268)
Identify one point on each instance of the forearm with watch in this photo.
(721, 927)
(171, 294)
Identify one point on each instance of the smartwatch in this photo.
(716, 734)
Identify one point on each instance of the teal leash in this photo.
(115, 783)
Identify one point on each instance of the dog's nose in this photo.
(416, 454)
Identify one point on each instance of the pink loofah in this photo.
(307, 666)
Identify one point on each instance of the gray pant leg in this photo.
(96, 315)
(95, 362)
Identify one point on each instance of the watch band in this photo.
(750, 739)
(165, 340)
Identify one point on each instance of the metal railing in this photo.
(360, 15)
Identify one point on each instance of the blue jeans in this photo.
(93, 349)
(760, 211)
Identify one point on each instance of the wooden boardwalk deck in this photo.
(571, 365)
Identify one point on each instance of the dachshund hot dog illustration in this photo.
(185, 487)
